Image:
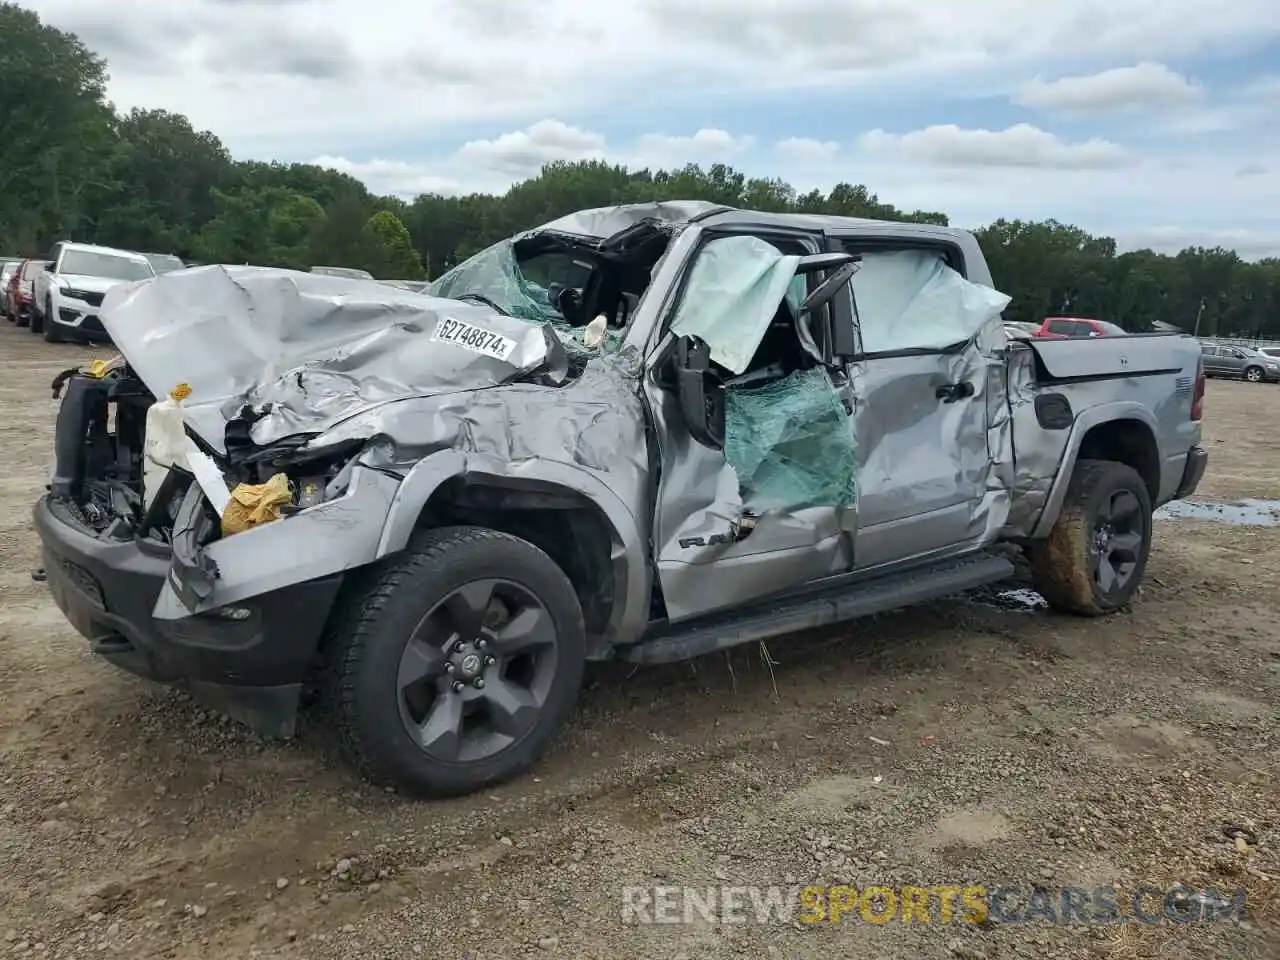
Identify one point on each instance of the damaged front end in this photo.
(154, 581)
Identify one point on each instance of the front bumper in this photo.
(79, 320)
(1192, 472)
(250, 659)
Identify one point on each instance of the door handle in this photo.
(951, 392)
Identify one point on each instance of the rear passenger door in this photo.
(928, 385)
(1232, 360)
(1212, 357)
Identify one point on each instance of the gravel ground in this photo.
(965, 742)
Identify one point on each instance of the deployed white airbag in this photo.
(912, 299)
(733, 292)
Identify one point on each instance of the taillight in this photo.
(1197, 398)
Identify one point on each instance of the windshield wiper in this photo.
(482, 299)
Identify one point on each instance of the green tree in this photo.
(338, 240)
(55, 129)
(388, 248)
(165, 178)
(266, 226)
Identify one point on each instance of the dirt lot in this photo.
(959, 743)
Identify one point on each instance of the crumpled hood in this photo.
(315, 349)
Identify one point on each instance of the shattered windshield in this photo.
(521, 287)
(495, 275)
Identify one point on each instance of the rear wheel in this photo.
(1253, 374)
(1094, 557)
(457, 665)
(36, 322)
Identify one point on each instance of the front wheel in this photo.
(456, 666)
(1253, 374)
(51, 334)
(1094, 557)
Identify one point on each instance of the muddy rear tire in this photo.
(1094, 557)
(457, 662)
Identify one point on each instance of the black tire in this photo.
(51, 332)
(36, 323)
(370, 643)
(1067, 566)
(1254, 374)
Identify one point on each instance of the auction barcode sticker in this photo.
(473, 338)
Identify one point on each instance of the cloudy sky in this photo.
(1155, 121)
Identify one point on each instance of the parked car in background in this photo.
(22, 290)
(164, 262)
(1062, 328)
(350, 272)
(67, 296)
(1020, 329)
(1242, 363)
(8, 267)
(1272, 352)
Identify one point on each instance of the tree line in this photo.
(72, 167)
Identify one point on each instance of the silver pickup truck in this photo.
(645, 432)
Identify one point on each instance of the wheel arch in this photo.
(1124, 432)
(560, 508)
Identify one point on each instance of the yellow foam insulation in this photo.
(253, 504)
(100, 368)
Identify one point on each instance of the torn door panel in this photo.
(702, 519)
(787, 474)
(791, 443)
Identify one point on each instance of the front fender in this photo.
(323, 540)
(631, 573)
(1086, 421)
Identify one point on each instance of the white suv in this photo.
(70, 291)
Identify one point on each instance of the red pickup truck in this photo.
(1062, 328)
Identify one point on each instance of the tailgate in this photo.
(1143, 354)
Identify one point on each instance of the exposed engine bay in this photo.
(98, 473)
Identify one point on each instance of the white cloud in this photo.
(1253, 106)
(1021, 145)
(524, 152)
(1249, 244)
(806, 149)
(393, 177)
(1144, 85)
(705, 146)
(325, 74)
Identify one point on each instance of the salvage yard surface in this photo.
(966, 742)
